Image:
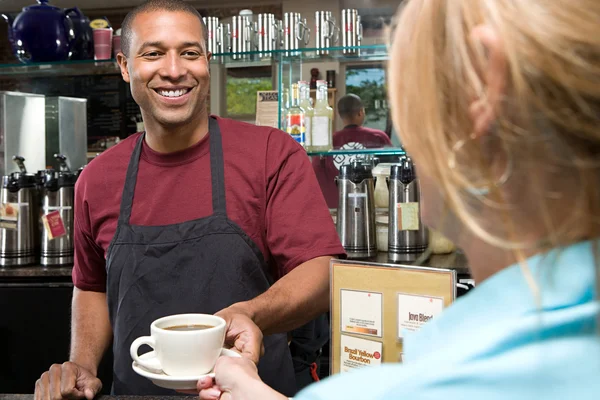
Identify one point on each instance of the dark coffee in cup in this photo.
(194, 327)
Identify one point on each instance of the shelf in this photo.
(230, 60)
(71, 68)
(375, 52)
(387, 151)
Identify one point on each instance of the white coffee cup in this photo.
(182, 352)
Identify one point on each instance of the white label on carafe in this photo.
(320, 131)
(408, 216)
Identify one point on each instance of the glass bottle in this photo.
(285, 104)
(322, 129)
(295, 123)
(306, 105)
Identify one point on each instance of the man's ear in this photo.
(122, 61)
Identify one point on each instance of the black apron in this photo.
(199, 266)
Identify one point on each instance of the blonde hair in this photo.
(547, 125)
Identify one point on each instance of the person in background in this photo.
(198, 214)
(352, 112)
(498, 103)
(354, 136)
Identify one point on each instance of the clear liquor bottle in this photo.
(305, 103)
(322, 121)
(295, 123)
(285, 104)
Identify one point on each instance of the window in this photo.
(368, 83)
(241, 87)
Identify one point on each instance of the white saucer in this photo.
(174, 382)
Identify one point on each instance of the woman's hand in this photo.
(236, 379)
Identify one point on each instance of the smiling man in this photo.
(196, 215)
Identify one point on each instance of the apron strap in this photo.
(216, 168)
(130, 180)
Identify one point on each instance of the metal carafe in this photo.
(18, 218)
(212, 29)
(351, 31)
(58, 197)
(356, 210)
(267, 35)
(327, 32)
(407, 236)
(242, 36)
(296, 33)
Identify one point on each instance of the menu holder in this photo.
(267, 108)
(373, 305)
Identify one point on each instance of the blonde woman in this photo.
(498, 103)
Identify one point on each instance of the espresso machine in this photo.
(408, 238)
(356, 210)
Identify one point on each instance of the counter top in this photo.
(455, 260)
(30, 397)
(35, 271)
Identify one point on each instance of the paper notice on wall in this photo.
(267, 108)
(414, 311)
(359, 353)
(361, 312)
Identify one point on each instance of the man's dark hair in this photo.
(157, 5)
(349, 106)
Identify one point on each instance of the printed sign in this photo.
(9, 215)
(408, 216)
(415, 310)
(267, 108)
(359, 353)
(54, 225)
(361, 312)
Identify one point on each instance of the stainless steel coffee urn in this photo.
(407, 237)
(18, 218)
(356, 210)
(58, 197)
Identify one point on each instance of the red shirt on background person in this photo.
(353, 136)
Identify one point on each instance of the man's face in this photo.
(167, 67)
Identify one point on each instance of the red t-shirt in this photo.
(351, 137)
(271, 193)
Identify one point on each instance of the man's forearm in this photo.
(91, 332)
(295, 299)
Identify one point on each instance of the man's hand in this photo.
(242, 333)
(67, 381)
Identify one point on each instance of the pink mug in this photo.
(102, 43)
(116, 44)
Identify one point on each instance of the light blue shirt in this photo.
(497, 342)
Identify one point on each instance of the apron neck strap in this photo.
(216, 170)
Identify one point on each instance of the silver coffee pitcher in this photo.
(351, 31)
(242, 37)
(267, 35)
(58, 198)
(356, 210)
(407, 236)
(327, 33)
(212, 27)
(18, 218)
(296, 33)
